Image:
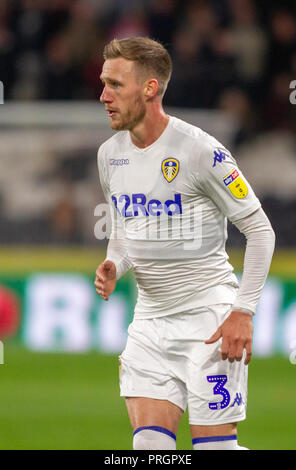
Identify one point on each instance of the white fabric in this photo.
(117, 246)
(217, 445)
(166, 358)
(259, 250)
(228, 445)
(148, 439)
(176, 270)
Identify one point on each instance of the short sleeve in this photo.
(222, 181)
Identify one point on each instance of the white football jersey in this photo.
(172, 200)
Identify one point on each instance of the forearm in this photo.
(117, 253)
(259, 250)
(117, 247)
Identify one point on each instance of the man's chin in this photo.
(116, 125)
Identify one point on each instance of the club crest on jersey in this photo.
(236, 184)
(170, 168)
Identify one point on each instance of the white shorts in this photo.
(166, 358)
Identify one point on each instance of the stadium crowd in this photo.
(229, 54)
(233, 55)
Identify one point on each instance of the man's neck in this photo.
(150, 129)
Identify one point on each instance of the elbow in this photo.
(273, 235)
(269, 239)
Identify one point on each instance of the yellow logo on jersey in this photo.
(120, 365)
(236, 184)
(170, 168)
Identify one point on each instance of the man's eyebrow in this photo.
(109, 80)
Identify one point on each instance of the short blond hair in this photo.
(150, 55)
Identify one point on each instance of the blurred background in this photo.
(234, 66)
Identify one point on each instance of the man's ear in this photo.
(151, 88)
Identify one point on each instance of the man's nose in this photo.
(105, 97)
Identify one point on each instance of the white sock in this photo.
(215, 443)
(154, 438)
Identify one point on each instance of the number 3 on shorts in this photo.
(219, 390)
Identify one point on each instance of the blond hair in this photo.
(148, 54)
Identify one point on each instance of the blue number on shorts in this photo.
(219, 390)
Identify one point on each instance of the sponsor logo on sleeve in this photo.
(220, 154)
(236, 184)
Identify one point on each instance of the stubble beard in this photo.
(131, 118)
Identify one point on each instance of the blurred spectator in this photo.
(61, 78)
(53, 50)
(235, 55)
(91, 70)
(129, 24)
(28, 83)
(64, 221)
(237, 103)
(187, 84)
(81, 31)
(248, 44)
(200, 17)
(163, 20)
(30, 26)
(282, 46)
(201, 67)
(277, 111)
(7, 47)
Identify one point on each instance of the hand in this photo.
(236, 333)
(105, 279)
